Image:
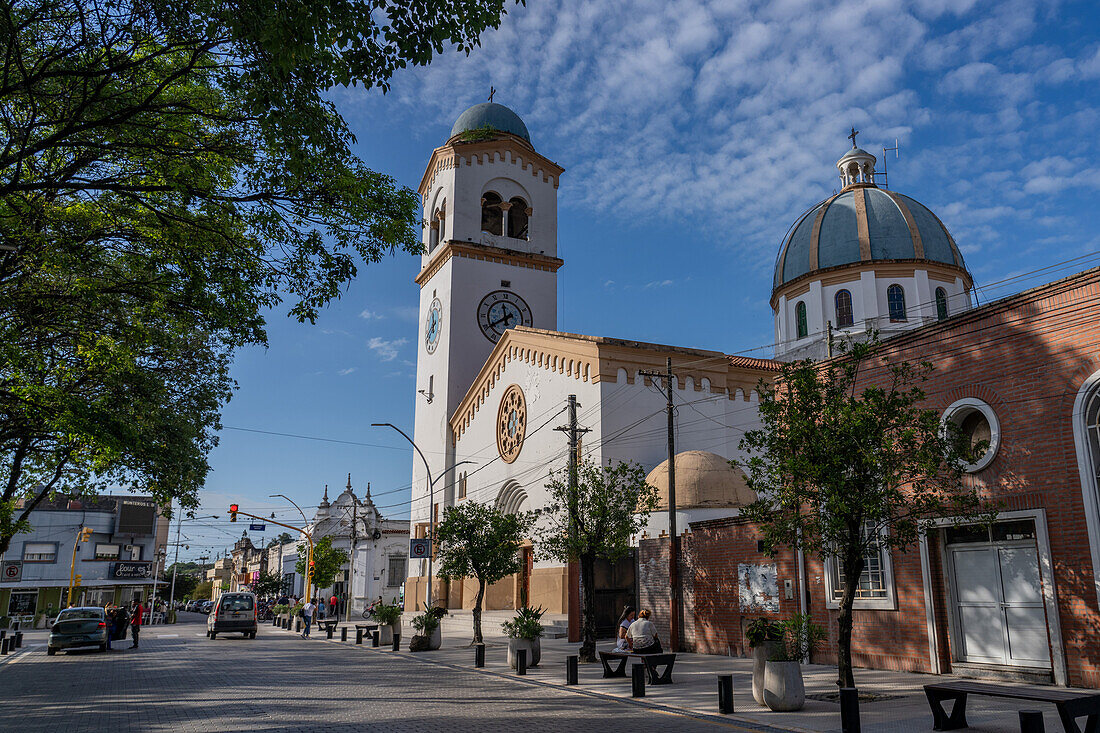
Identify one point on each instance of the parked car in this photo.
(77, 627)
(233, 613)
(206, 606)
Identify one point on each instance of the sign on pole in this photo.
(420, 548)
(13, 571)
(256, 527)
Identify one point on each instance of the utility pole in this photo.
(176, 562)
(675, 611)
(354, 540)
(574, 433)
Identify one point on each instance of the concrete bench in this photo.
(1071, 704)
(652, 662)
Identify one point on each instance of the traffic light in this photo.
(77, 578)
(85, 534)
(232, 512)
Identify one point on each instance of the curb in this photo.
(728, 721)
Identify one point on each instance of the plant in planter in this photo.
(428, 635)
(389, 621)
(524, 632)
(40, 620)
(784, 689)
(763, 635)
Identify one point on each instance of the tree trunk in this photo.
(477, 611)
(851, 569)
(587, 651)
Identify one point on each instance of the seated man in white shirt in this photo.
(643, 635)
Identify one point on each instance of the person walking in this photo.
(332, 607)
(110, 624)
(307, 617)
(135, 619)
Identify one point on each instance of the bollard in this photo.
(637, 680)
(298, 625)
(571, 670)
(18, 639)
(521, 661)
(397, 642)
(479, 655)
(4, 645)
(725, 694)
(375, 638)
(1031, 721)
(344, 634)
(3, 633)
(849, 710)
(358, 636)
(329, 631)
(15, 626)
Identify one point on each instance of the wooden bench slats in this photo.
(1019, 693)
(1071, 704)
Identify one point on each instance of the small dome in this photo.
(703, 481)
(857, 153)
(490, 114)
(895, 227)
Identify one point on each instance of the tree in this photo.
(482, 542)
(268, 584)
(595, 520)
(168, 172)
(186, 578)
(282, 539)
(842, 472)
(202, 591)
(327, 561)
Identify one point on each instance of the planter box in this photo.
(533, 647)
(385, 633)
(760, 656)
(784, 690)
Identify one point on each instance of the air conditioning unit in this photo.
(128, 548)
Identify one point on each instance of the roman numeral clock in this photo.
(501, 310)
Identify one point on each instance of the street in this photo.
(181, 681)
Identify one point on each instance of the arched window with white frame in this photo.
(492, 215)
(843, 301)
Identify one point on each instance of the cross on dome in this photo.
(852, 137)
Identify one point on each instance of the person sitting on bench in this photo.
(625, 620)
(643, 635)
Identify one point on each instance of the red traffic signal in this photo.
(232, 512)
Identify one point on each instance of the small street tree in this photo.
(268, 584)
(593, 516)
(844, 472)
(482, 542)
(327, 561)
(202, 591)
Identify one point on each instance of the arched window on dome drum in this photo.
(941, 303)
(800, 320)
(517, 219)
(895, 300)
(843, 308)
(492, 216)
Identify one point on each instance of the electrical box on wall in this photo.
(788, 590)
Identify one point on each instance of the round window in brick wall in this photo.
(979, 426)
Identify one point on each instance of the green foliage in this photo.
(426, 623)
(526, 625)
(386, 614)
(202, 591)
(799, 636)
(480, 541)
(762, 630)
(847, 460)
(596, 520)
(267, 584)
(612, 503)
(170, 172)
(327, 561)
(485, 132)
(280, 608)
(282, 539)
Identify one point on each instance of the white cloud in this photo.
(345, 372)
(369, 315)
(387, 350)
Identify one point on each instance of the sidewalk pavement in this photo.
(898, 704)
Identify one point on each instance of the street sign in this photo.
(254, 527)
(13, 571)
(420, 549)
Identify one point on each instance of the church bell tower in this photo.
(490, 263)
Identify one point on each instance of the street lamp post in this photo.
(309, 559)
(431, 498)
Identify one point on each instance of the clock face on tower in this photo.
(433, 326)
(499, 311)
(511, 423)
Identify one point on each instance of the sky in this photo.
(692, 135)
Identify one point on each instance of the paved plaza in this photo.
(181, 681)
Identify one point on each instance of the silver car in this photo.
(76, 627)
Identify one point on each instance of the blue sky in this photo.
(693, 134)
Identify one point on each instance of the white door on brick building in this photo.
(997, 594)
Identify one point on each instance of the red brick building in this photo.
(1018, 599)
